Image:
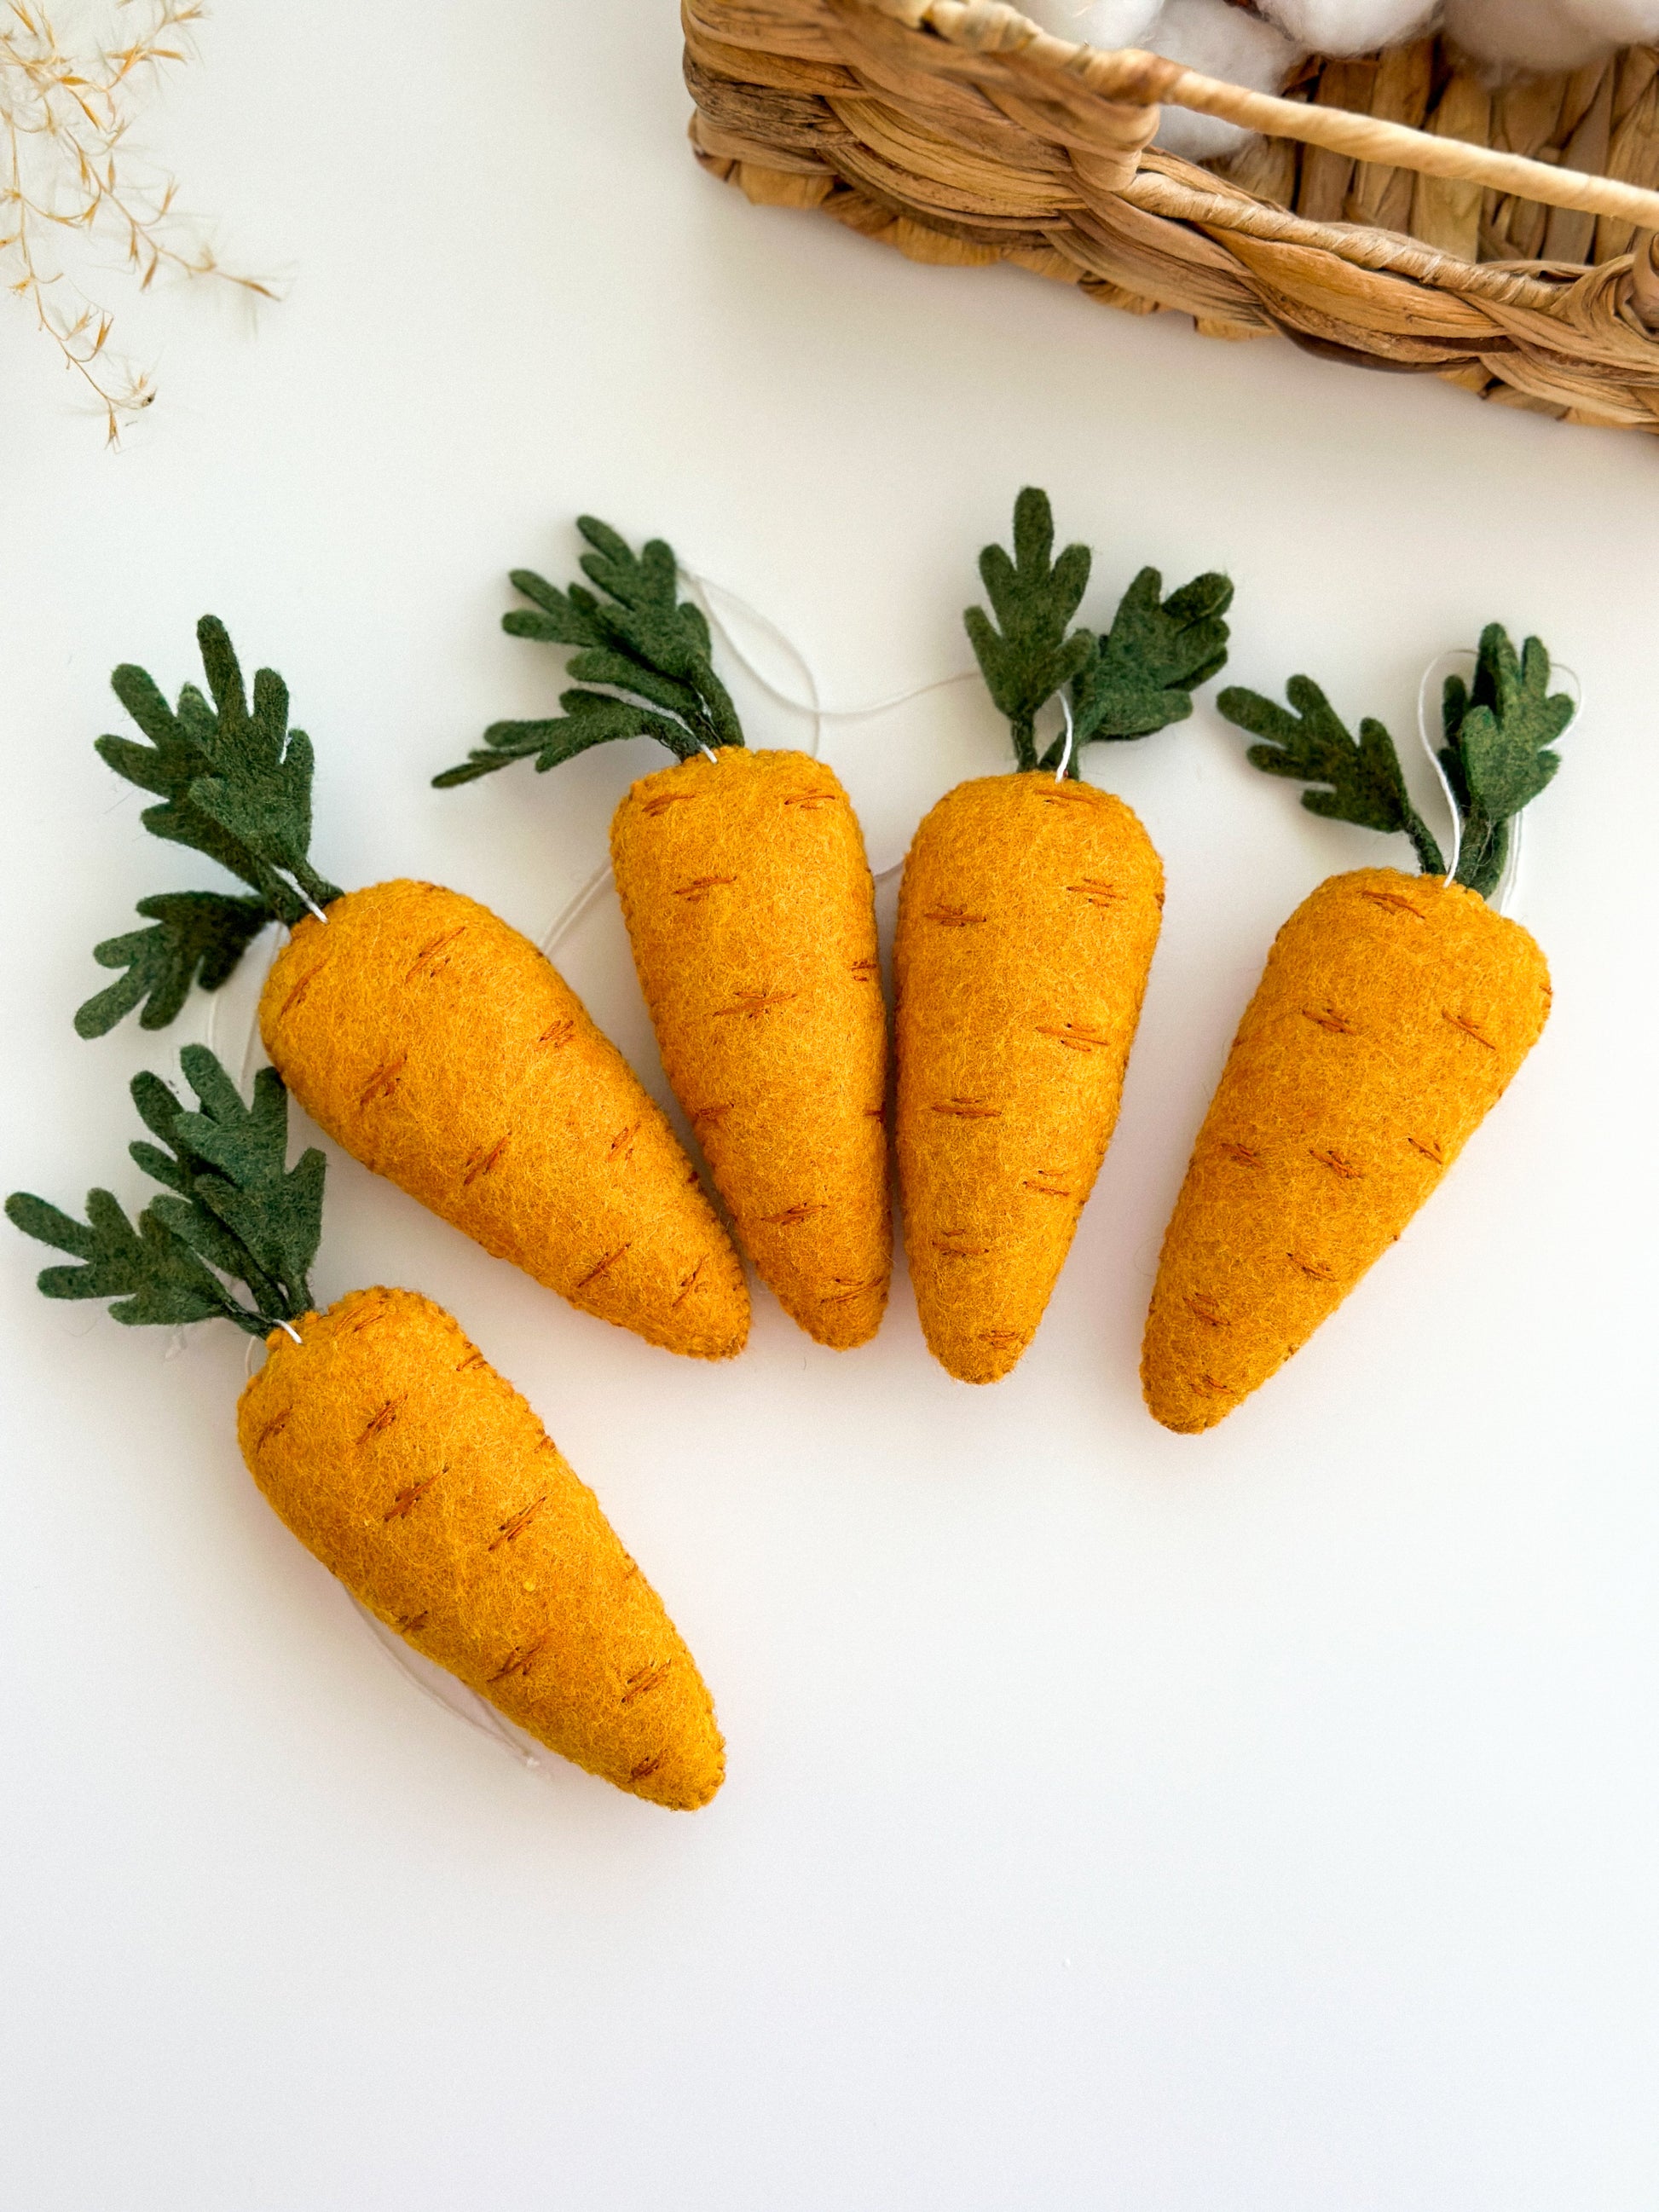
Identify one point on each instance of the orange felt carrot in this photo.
(1392, 1014)
(1028, 915)
(392, 1449)
(750, 907)
(431, 1041)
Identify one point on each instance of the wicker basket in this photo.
(1486, 246)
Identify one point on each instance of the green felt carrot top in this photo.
(235, 784)
(1135, 676)
(1498, 731)
(643, 663)
(236, 1213)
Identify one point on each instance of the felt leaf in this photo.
(274, 1211)
(233, 784)
(632, 636)
(153, 1278)
(591, 718)
(1146, 668)
(1499, 758)
(259, 790)
(1026, 655)
(198, 937)
(1360, 781)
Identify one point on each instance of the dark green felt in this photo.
(1144, 669)
(234, 1209)
(649, 649)
(235, 784)
(198, 936)
(1030, 650)
(1496, 756)
(1357, 781)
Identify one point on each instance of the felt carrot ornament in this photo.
(1028, 915)
(390, 1447)
(1392, 1014)
(431, 1041)
(750, 907)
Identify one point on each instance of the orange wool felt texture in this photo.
(1393, 1012)
(1028, 915)
(417, 1475)
(751, 910)
(440, 1048)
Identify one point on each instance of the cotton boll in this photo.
(1107, 24)
(1626, 22)
(1348, 27)
(1537, 35)
(1223, 41)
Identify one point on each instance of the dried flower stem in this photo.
(65, 107)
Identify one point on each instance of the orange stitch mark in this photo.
(382, 1421)
(413, 1623)
(1052, 1188)
(608, 1260)
(274, 1428)
(374, 1310)
(811, 799)
(700, 886)
(482, 1162)
(622, 1145)
(1068, 794)
(751, 1005)
(689, 1282)
(1073, 1038)
(950, 1246)
(646, 1767)
(407, 1500)
(1394, 901)
(558, 1033)
(644, 1680)
(1315, 1268)
(793, 1216)
(425, 958)
(299, 990)
(653, 807)
(518, 1663)
(1001, 1338)
(1096, 893)
(1470, 1030)
(1209, 1386)
(1338, 1166)
(1203, 1308)
(967, 1110)
(952, 917)
(849, 1290)
(385, 1079)
(1429, 1149)
(516, 1524)
(863, 971)
(1338, 1024)
(710, 1116)
(1243, 1153)
(473, 1359)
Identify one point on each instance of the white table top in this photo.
(1262, 1821)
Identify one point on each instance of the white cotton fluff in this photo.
(1348, 27)
(1221, 41)
(1106, 23)
(1549, 35)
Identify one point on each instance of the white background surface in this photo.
(1261, 1823)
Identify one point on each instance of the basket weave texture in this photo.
(975, 149)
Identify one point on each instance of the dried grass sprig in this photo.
(68, 102)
